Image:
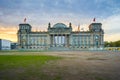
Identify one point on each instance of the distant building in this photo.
(5, 44)
(14, 45)
(60, 36)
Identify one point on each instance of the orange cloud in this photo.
(9, 33)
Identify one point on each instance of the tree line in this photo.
(112, 44)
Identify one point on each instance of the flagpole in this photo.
(94, 20)
(25, 20)
(79, 28)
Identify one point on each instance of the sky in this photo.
(40, 12)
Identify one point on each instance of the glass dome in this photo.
(59, 25)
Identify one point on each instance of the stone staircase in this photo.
(59, 49)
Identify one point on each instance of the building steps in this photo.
(58, 49)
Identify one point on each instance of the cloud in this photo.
(9, 33)
(111, 26)
(112, 37)
(1, 13)
(40, 12)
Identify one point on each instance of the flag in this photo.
(25, 20)
(94, 20)
(78, 27)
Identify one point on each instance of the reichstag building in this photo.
(60, 37)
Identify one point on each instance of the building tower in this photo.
(97, 36)
(23, 35)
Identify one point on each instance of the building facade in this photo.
(60, 36)
(5, 44)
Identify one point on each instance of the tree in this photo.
(112, 44)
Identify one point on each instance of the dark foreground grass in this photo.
(24, 67)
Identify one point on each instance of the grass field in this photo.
(24, 67)
(64, 65)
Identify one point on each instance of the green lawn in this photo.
(39, 65)
(24, 67)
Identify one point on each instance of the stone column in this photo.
(50, 40)
(53, 40)
(86, 41)
(58, 39)
(28, 41)
(66, 40)
(61, 39)
(71, 40)
(92, 40)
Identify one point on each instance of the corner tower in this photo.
(97, 35)
(23, 34)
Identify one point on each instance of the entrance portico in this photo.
(59, 40)
(59, 35)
